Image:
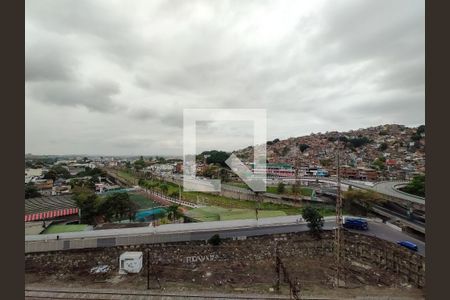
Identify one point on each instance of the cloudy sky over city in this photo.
(113, 77)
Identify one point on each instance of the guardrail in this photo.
(173, 200)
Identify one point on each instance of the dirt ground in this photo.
(315, 278)
(126, 282)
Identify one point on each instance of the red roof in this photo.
(391, 162)
(51, 214)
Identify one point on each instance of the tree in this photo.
(383, 147)
(139, 164)
(173, 212)
(360, 201)
(314, 219)
(164, 188)
(359, 141)
(296, 188)
(303, 147)
(87, 201)
(280, 188)
(31, 191)
(416, 186)
(420, 129)
(216, 157)
(215, 240)
(379, 164)
(117, 206)
(56, 172)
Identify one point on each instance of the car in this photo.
(409, 245)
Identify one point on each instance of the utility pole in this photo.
(297, 183)
(148, 269)
(257, 204)
(339, 232)
(277, 269)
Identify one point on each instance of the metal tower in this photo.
(338, 239)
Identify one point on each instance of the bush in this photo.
(280, 188)
(314, 219)
(215, 240)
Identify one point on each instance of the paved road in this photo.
(388, 188)
(226, 229)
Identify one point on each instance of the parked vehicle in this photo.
(408, 244)
(354, 223)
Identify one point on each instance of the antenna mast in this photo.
(338, 232)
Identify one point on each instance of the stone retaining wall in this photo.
(365, 257)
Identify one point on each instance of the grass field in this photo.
(229, 203)
(305, 191)
(64, 228)
(127, 176)
(215, 213)
(288, 190)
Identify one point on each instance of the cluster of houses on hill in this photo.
(375, 153)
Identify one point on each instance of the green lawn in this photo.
(127, 176)
(305, 191)
(214, 213)
(217, 200)
(229, 203)
(64, 228)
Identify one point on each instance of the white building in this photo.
(32, 173)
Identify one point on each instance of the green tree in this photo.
(173, 212)
(117, 206)
(383, 147)
(379, 164)
(87, 201)
(359, 141)
(164, 188)
(215, 240)
(281, 188)
(314, 219)
(31, 191)
(303, 147)
(296, 188)
(416, 186)
(420, 129)
(139, 164)
(215, 157)
(56, 172)
(360, 201)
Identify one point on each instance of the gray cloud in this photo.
(97, 96)
(315, 66)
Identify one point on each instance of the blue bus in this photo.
(354, 223)
(409, 245)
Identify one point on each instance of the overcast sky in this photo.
(112, 77)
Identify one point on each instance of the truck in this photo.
(409, 245)
(356, 223)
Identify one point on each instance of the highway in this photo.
(195, 231)
(390, 188)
